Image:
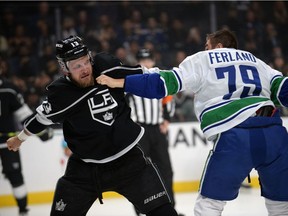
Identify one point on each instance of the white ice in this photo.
(248, 203)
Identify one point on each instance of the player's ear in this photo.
(65, 72)
(68, 74)
(219, 45)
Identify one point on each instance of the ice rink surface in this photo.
(248, 203)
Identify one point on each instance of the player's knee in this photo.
(166, 210)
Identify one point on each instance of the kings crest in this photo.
(60, 206)
(101, 107)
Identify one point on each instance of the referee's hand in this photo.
(14, 143)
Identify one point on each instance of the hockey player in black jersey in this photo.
(13, 111)
(98, 129)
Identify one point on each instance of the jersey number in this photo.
(245, 70)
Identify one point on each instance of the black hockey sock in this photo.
(22, 204)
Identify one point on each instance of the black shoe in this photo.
(181, 214)
(23, 212)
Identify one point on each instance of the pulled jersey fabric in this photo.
(96, 120)
(230, 86)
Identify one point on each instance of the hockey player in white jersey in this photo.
(236, 95)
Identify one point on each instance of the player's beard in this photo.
(89, 81)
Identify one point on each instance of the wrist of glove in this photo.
(22, 136)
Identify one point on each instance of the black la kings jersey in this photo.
(96, 120)
(13, 110)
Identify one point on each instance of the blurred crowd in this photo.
(171, 29)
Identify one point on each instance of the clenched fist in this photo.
(14, 143)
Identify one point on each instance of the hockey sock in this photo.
(276, 208)
(208, 207)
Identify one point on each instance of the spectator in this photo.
(68, 27)
(270, 40)
(44, 37)
(3, 44)
(194, 41)
(8, 22)
(177, 35)
(48, 64)
(154, 34)
(18, 39)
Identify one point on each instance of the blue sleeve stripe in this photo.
(179, 80)
(164, 86)
(282, 94)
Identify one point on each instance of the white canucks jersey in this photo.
(227, 82)
(230, 86)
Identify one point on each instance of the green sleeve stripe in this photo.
(171, 81)
(274, 90)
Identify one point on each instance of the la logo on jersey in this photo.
(102, 112)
